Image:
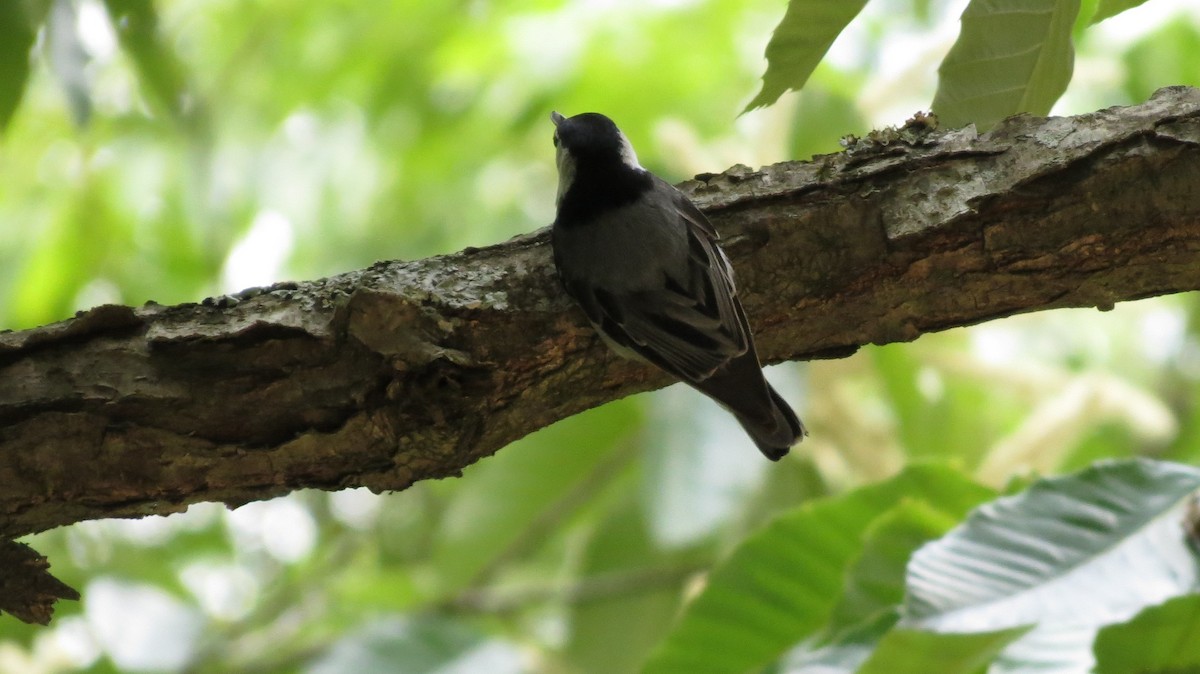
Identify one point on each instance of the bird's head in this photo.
(590, 142)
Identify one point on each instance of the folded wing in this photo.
(690, 323)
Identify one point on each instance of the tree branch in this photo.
(412, 370)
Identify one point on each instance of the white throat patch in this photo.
(628, 156)
(566, 164)
(566, 172)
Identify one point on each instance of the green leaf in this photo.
(905, 651)
(1106, 9)
(1083, 20)
(16, 39)
(57, 266)
(799, 43)
(1162, 638)
(780, 585)
(1071, 554)
(1011, 56)
(875, 581)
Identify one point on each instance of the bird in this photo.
(647, 268)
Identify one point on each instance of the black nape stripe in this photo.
(597, 189)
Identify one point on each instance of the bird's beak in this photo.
(557, 118)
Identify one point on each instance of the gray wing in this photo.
(684, 316)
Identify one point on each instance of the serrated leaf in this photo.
(1070, 554)
(1162, 638)
(1011, 56)
(907, 651)
(780, 585)
(16, 39)
(1106, 9)
(799, 43)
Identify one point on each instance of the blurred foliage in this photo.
(183, 148)
(1109, 8)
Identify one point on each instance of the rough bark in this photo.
(412, 370)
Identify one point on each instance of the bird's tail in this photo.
(741, 388)
(776, 431)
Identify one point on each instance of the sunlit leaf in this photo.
(1011, 56)
(1083, 20)
(1109, 8)
(1070, 554)
(59, 264)
(1162, 638)
(779, 586)
(799, 43)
